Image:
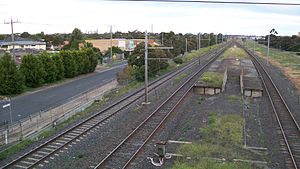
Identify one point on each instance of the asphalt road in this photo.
(24, 105)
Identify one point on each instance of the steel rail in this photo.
(167, 77)
(131, 134)
(292, 121)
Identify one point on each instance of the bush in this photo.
(50, 67)
(69, 61)
(33, 70)
(59, 67)
(11, 79)
(178, 60)
(126, 75)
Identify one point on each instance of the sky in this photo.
(62, 16)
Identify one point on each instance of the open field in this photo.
(288, 62)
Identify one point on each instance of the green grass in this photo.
(222, 138)
(197, 53)
(15, 148)
(234, 98)
(126, 89)
(177, 79)
(234, 52)
(213, 79)
(286, 59)
(206, 163)
(223, 130)
(200, 99)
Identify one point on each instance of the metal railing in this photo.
(52, 116)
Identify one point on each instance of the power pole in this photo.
(12, 37)
(162, 38)
(110, 41)
(186, 45)
(199, 40)
(254, 44)
(146, 68)
(209, 41)
(151, 28)
(222, 38)
(268, 51)
(216, 39)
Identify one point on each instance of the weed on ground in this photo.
(221, 145)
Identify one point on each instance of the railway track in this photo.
(51, 147)
(288, 125)
(127, 149)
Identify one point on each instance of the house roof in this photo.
(21, 41)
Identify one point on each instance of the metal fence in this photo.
(54, 115)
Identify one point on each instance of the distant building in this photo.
(21, 43)
(299, 34)
(124, 44)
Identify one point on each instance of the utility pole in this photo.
(12, 37)
(268, 51)
(151, 28)
(110, 41)
(186, 46)
(146, 68)
(216, 39)
(254, 44)
(222, 38)
(209, 41)
(199, 41)
(162, 38)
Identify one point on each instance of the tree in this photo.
(2, 37)
(25, 35)
(115, 50)
(59, 66)
(92, 59)
(97, 51)
(75, 39)
(11, 79)
(70, 65)
(33, 70)
(50, 67)
(137, 60)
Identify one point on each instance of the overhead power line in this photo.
(218, 2)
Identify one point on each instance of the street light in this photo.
(272, 32)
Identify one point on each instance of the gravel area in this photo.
(260, 124)
(96, 145)
(286, 88)
(108, 102)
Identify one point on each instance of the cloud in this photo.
(63, 16)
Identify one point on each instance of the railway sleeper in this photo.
(32, 159)
(20, 166)
(26, 162)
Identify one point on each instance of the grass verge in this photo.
(213, 79)
(222, 142)
(288, 62)
(15, 148)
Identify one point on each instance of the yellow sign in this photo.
(115, 57)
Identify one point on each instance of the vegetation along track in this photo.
(288, 125)
(127, 149)
(52, 146)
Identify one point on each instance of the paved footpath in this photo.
(24, 105)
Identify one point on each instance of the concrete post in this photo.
(5, 135)
(268, 51)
